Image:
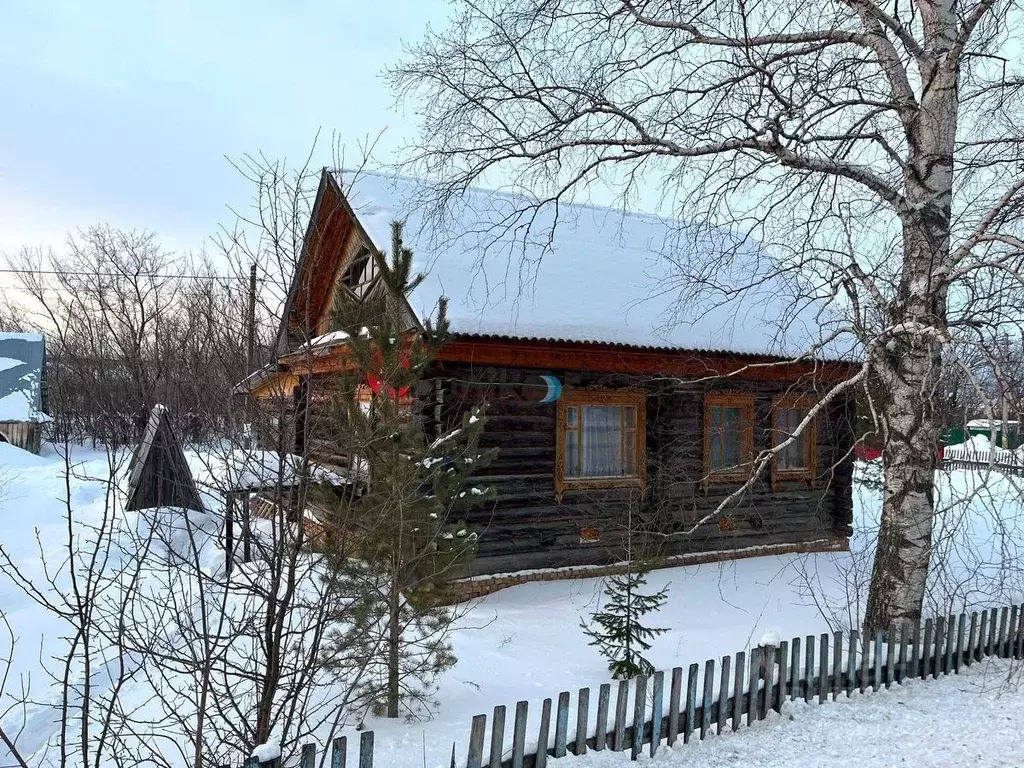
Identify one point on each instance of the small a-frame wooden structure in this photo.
(159, 475)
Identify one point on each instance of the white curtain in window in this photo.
(602, 440)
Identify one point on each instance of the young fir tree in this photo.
(399, 542)
(617, 628)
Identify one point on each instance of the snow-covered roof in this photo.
(604, 276)
(21, 377)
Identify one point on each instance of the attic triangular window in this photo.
(359, 273)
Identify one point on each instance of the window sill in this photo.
(596, 483)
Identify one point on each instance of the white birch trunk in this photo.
(908, 371)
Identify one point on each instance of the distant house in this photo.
(610, 388)
(22, 414)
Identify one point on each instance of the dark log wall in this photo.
(526, 528)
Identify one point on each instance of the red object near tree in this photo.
(866, 452)
(377, 384)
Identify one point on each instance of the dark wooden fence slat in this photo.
(783, 674)
(561, 724)
(1010, 630)
(823, 669)
(1020, 636)
(307, 756)
(709, 695)
(582, 716)
(914, 657)
(890, 656)
(675, 700)
(837, 664)
(940, 635)
(926, 651)
(879, 640)
(621, 702)
(901, 662)
(519, 734)
(961, 629)
(951, 640)
(1004, 627)
(639, 715)
(657, 704)
(752, 684)
(604, 695)
(794, 669)
(768, 658)
(366, 747)
(809, 670)
(851, 662)
(541, 759)
(865, 662)
(691, 702)
(979, 648)
(475, 754)
(970, 650)
(497, 736)
(723, 693)
(339, 752)
(737, 690)
(993, 633)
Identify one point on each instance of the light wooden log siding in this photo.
(527, 529)
(26, 435)
(809, 668)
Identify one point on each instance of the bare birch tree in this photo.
(872, 148)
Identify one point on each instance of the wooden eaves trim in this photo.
(613, 358)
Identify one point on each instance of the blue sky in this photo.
(123, 111)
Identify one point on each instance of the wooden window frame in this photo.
(730, 400)
(810, 434)
(583, 397)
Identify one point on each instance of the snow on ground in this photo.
(970, 719)
(525, 642)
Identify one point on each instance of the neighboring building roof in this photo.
(21, 377)
(606, 276)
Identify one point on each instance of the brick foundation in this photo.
(478, 586)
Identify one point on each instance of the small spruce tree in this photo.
(617, 627)
(398, 543)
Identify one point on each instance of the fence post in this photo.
(561, 724)
(752, 686)
(723, 693)
(497, 736)
(709, 694)
(794, 670)
(737, 694)
(519, 734)
(582, 715)
(809, 669)
(940, 629)
(973, 631)
(542, 735)
(691, 703)
(621, 702)
(823, 671)
(475, 754)
(639, 715)
(851, 662)
(675, 701)
(879, 638)
(658, 698)
(837, 664)
(890, 656)
(604, 695)
(783, 674)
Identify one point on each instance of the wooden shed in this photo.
(611, 391)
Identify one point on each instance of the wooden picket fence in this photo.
(307, 757)
(966, 457)
(840, 664)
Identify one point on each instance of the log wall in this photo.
(526, 528)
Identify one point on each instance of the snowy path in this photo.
(970, 719)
